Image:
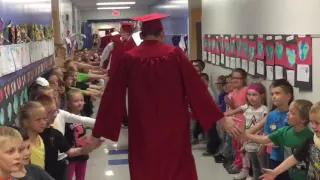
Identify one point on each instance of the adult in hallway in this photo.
(119, 44)
(161, 82)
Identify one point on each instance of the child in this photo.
(10, 141)
(224, 155)
(254, 111)
(282, 95)
(32, 117)
(28, 171)
(239, 94)
(291, 137)
(74, 133)
(55, 142)
(308, 152)
(214, 140)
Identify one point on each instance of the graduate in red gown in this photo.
(161, 82)
(116, 48)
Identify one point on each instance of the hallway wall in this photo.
(264, 17)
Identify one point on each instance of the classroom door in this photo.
(199, 40)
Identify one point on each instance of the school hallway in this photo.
(110, 162)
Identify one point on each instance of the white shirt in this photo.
(105, 53)
(64, 117)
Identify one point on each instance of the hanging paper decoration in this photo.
(279, 55)
(1, 31)
(9, 111)
(304, 50)
(2, 119)
(233, 49)
(244, 49)
(270, 53)
(291, 54)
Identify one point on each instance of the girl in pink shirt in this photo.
(239, 98)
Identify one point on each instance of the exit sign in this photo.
(115, 12)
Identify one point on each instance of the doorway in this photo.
(199, 40)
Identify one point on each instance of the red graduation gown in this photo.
(160, 79)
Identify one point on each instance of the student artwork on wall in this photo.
(260, 57)
(244, 53)
(269, 50)
(279, 57)
(252, 48)
(227, 51)
(213, 49)
(238, 52)
(217, 51)
(232, 52)
(266, 56)
(209, 49)
(205, 48)
(304, 63)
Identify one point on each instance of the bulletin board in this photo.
(26, 52)
(268, 57)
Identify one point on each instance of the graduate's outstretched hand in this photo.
(230, 125)
(92, 143)
(269, 174)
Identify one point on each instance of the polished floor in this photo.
(110, 161)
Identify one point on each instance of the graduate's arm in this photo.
(113, 103)
(106, 53)
(200, 100)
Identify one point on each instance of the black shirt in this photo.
(311, 154)
(73, 134)
(35, 173)
(54, 141)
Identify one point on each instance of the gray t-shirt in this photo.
(35, 173)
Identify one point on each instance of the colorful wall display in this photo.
(26, 52)
(266, 56)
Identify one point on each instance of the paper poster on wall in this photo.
(227, 51)
(304, 63)
(244, 65)
(15, 51)
(232, 62)
(278, 72)
(205, 42)
(269, 50)
(25, 53)
(213, 49)
(221, 43)
(260, 56)
(252, 57)
(238, 46)
(204, 55)
(291, 77)
(7, 62)
(209, 48)
(217, 51)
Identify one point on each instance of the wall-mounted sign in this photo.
(115, 12)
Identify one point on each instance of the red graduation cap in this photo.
(151, 22)
(127, 27)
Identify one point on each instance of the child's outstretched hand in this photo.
(269, 174)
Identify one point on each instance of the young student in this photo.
(282, 95)
(55, 142)
(225, 154)
(214, 140)
(74, 134)
(254, 111)
(10, 141)
(239, 94)
(32, 117)
(291, 137)
(28, 171)
(309, 152)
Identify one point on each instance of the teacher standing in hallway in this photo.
(161, 82)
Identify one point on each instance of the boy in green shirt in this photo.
(290, 137)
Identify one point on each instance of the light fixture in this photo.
(179, 2)
(103, 8)
(115, 3)
(26, 1)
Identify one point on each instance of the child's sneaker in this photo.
(234, 170)
(242, 175)
(194, 142)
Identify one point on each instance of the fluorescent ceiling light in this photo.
(115, 3)
(26, 1)
(179, 2)
(124, 7)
